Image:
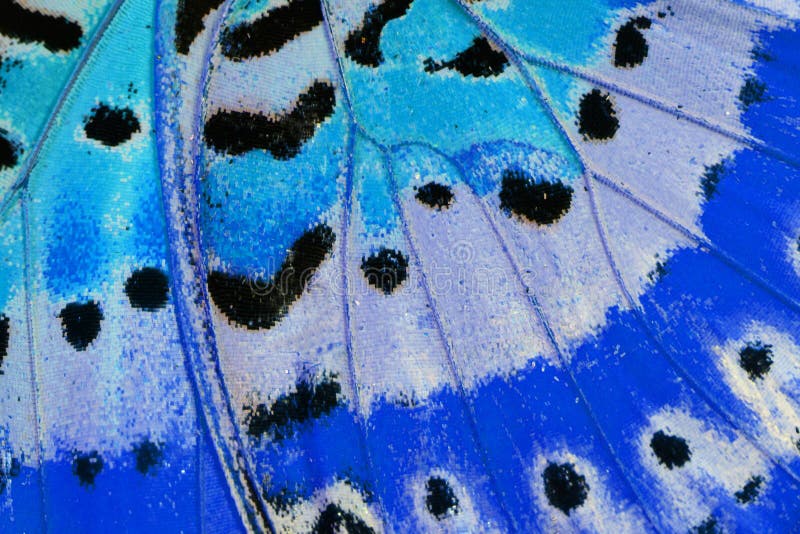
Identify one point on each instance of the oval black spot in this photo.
(147, 289)
(334, 520)
(9, 151)
(57, 34)
(363, 44)
(4, 338)
(148, 455)
(386, 269)
(86, 466)
(110, 126)
(236, 132)
(479, 60)
(435, 195)
(630, 47)
(256, 304)
(80, 323)
(750, 490)
(539, 202)
(597, 119)
(440, 501)
(756, 359)
(671, 451)
(189, 21)
(564, 487)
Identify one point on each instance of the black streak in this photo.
(4, 335)
(750, 490)
(363, 44)
(57, 34)
(236, 132)
(479, 60)
(542, 203)
(189, 21)
(256, 304)
(271, 32)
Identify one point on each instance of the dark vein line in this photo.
(30, 162)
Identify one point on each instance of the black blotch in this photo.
(257, 304)
(80, 323)
(147, 288)
(441, 501)
(310, 400)
(236, 132)
(4, 338)
(564, 488)
(539, 202)
(86, 466)
(710, 180)
(9, 151)
(709, 526)
(57, 34)
(386, 269)
(630, 47)
(9, 468)
(333, 520)
(148, 455)
(271, 32)
(282, 500)
(479, 60)
(659, 271)
(756, 359)
(752, 91)
(189, 21)
(363, 44)
(597, 119)
(435, 195)
(110, 126)
(671, 451)
(750, 490)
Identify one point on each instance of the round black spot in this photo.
(441, 501)
(4, 338)
(80, 323)
(111, 126)
(385, 270)
(565, 489)
(672, 451)
(147, 288)
(435, 195)
(597, 119)
(630, 47)
(9, 151)
(86, 466)
(539, 202)
(148, 455)
(756, 359)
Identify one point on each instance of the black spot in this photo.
(80, 323)
(282, 500)
(752, 91)
(630, 47)
(441, 501)
(539, 202)
(597, 119)
(86, 466)
(386, 269)
(363, 44)
(4, 338)
(309, 401)
(236, 132)
(659, 271)
(709, 526)
(672, 451)
(110, 126)
(435, 195)
(257, 304)
(565, 489)
(9, 468)
(479, 60)
(756, 359)
(9, 151)
(334, 520)
(57, 34)
(750, 490)
(271, 32)
(148, 455)
(189, 21)
(711, 178)
(147, 289)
